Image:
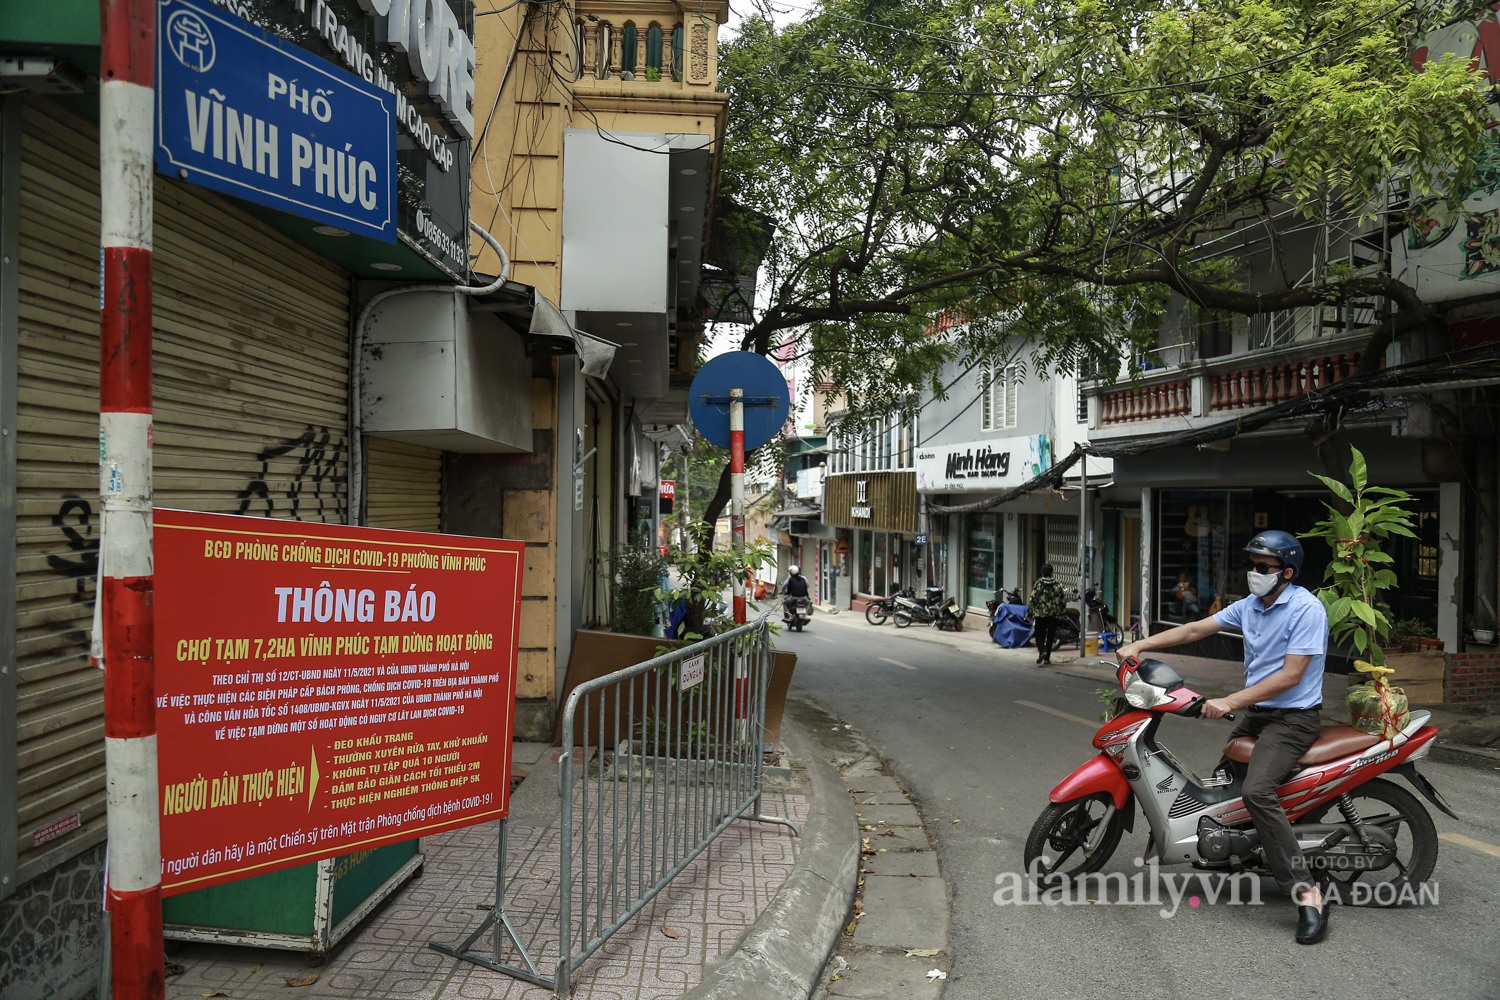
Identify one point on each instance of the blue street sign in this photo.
(766, 398)
(921, 539)
(240, 111)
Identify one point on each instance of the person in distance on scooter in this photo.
(1286, 638)
(796, 585)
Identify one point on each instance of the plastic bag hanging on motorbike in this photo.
(1375, 706)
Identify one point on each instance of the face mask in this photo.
(1262, 584)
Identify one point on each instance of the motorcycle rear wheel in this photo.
(902, 619)
(1401, 814)
(875, 614)
(1064, 829)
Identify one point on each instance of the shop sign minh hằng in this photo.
(982, 465)
(416, 55)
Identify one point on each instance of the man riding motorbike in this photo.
(794, 586)
(1286, 638)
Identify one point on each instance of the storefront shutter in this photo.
(250, 384)
(405, 486)
(1062, 550)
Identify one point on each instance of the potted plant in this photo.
(1482, 625)
(1359, 570)
(1414, 635)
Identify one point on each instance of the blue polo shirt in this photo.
(1295, 623)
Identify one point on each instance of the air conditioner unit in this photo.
(803, 527)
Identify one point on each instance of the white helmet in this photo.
(795, 569)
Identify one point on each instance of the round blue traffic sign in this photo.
(766, 398)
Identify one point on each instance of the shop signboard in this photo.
(324, 689)
(381, 93)
(995, 463)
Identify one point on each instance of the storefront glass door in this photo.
(882, 564)
(1200, 537)
(985, 551)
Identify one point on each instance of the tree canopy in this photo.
(1053, 172)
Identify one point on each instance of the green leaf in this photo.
(1397, 529)
(1357, 470)
(1361, 641)
(1338, 610)
(1364, 611)
(1335, 487)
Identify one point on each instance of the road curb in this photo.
(1464, 754)
(782, 955)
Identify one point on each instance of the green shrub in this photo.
(637, 569)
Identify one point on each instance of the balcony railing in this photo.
(1264, 385)
(1151, 402)
(1229, 383)
(628, 42)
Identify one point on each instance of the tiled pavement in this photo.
(707, 906)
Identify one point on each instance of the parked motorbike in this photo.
(876, 612)
(910, 608)
(949, 617)
(933, 610)
(1349, 819)
(797, 612)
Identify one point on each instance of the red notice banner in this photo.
(322, 689)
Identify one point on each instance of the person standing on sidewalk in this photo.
(1286, 638)
(1047, 604)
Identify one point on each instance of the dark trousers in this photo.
(1282, 736)
(1046, 636)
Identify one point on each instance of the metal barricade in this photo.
(679, 742)
(658, 759)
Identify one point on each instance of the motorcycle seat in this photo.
(1332, 743)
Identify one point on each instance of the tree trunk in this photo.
(717, 502)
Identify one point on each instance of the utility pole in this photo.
(1083, 550)
(126, 126)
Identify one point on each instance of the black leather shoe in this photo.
(1312, 923)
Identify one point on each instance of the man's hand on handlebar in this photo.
(1216, 708)
(1125, 652)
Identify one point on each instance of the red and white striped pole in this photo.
(737, 493)
(737, 543)
(126, 118)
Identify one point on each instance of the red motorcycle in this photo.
(1349, 820)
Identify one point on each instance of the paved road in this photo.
(975, 734)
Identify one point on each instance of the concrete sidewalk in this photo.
(695, 924)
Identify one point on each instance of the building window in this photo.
(997, 396)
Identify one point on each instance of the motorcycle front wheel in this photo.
(1073, 838)
(1398, 812)
(902, 619)
(875, 614)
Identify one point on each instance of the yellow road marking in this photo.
(1470, 842)
(887, 659)
(824, 638)
(1061, 715)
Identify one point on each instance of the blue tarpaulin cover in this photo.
(1012, 630)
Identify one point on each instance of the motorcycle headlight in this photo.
(1143, 695)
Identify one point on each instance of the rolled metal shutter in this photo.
(1062, 549)
(404, 488)
(250, 374)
